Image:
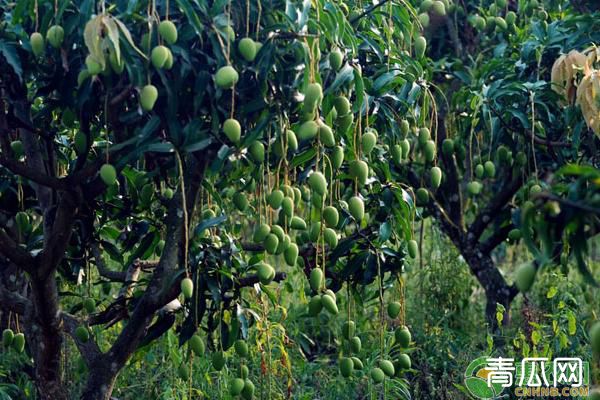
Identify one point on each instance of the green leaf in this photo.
(9, 52)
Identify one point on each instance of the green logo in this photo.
(476, 381)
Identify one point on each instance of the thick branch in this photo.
(12, 301)
(495, 206)
(34, 175)
(11, 250)
(497, 237)
(88, 350)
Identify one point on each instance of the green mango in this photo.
(159, 56)
(348, 329)
(241, 348)
(298, 223)
(183, 371)
(308, 130)
(420, 46)
(248, 391)
(168, 31)
(287, 207)
(313, 96)
(93, 66)
(247, 49)
(236, 386)
(514, 234)
(55, 36)
(426, 6)
(89, 305)
(291, 254)
(326, 135)
(404, 361)
(7, 337)
(218, 360)
(346, 366)
(424, 20)
(187, 288)
(257, 151)
(355, 344)
(345, 121)
(315, 305)
(342, 106)
(377, 375)
(337, 157)
(261, 233)
(405, 145)
(271, 242)
(422, 196)
(265, 273)
(356, 207)
(429, 150)
(148, 96)
(359, 170)
(197, 345)
(368, 141)
(226, 77)
(36, 41)
(244, 371)
(336, 58)
(413, 248)
(479, 171)
(330, 237)
(278, 231)
(82, 334)
(396, 153)
(316, 279)
(232, 129)
(438, 8)
(393, 309)
(525, 276)
(275, 198)
(317, 183)
(387, 367)
(331, 216)
(473, 188)
(108, 174)
(402, 336)
(436, 177)
(329, 304)
(358, 365)
(448, 147)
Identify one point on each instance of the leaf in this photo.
(92, 39)
(385, 231)
(572, 322)
(128, 37)
(10, 54)
(113, 35)
(551, 292)
(191, 16)
(200, 145)
(208, 223)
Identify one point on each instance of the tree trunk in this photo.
(497, 291)
(101, 380)
(44, 338)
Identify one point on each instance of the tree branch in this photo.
(368, 11)
(11, 250)
(497, 237)
(13, 301)
(494, 207)
(88, 350)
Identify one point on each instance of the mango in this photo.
(316, 279)
(271, 242)
(405, 145)
(330, 237)
(226, 77)
(159, 56)
(82, 334)
(183, 371)
(298, 223)
(525, 276)
(356, 207)
(108, 174)
(89, 305)
(148, 96)
(424, 20)
(348, 329)
(241, 348)
(257, 151)
(402, 336)
(336, 58)
(168, 31)
(261, 233)
(232, 129)
(118, 65)
(308, 130)
(36, 41)
(368, 141)
(342, 105)
(315, 305)
(358, 365)
(218, 360)
(287, 207)
(429, 150)
(438, 8)
(355, 344)
(387, 367)
(413, 248)
(490, 169)
(514, 234)
(326, 135)
(331, 216)
(404, 361)
(290, 254)
(359, 170)
(448, 147)
(247, 49)
(275, 198)
(278, 231)
(187, 288)
(422, 196)
(420, 46)
(244, 371)
(236, 386)
(248, 391)
(473, 188)
(329, 304)
(337, 157)
(7, 337)
(265, 273)
(393, 309)
(17, 148)
(313, 96)
(317, 183)
(346, 366)
(240, 201)
(479, 171)
(55, 36)
(377, 375)
(93, 66)
(197, 345)
(292, 141)
(436, 177)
